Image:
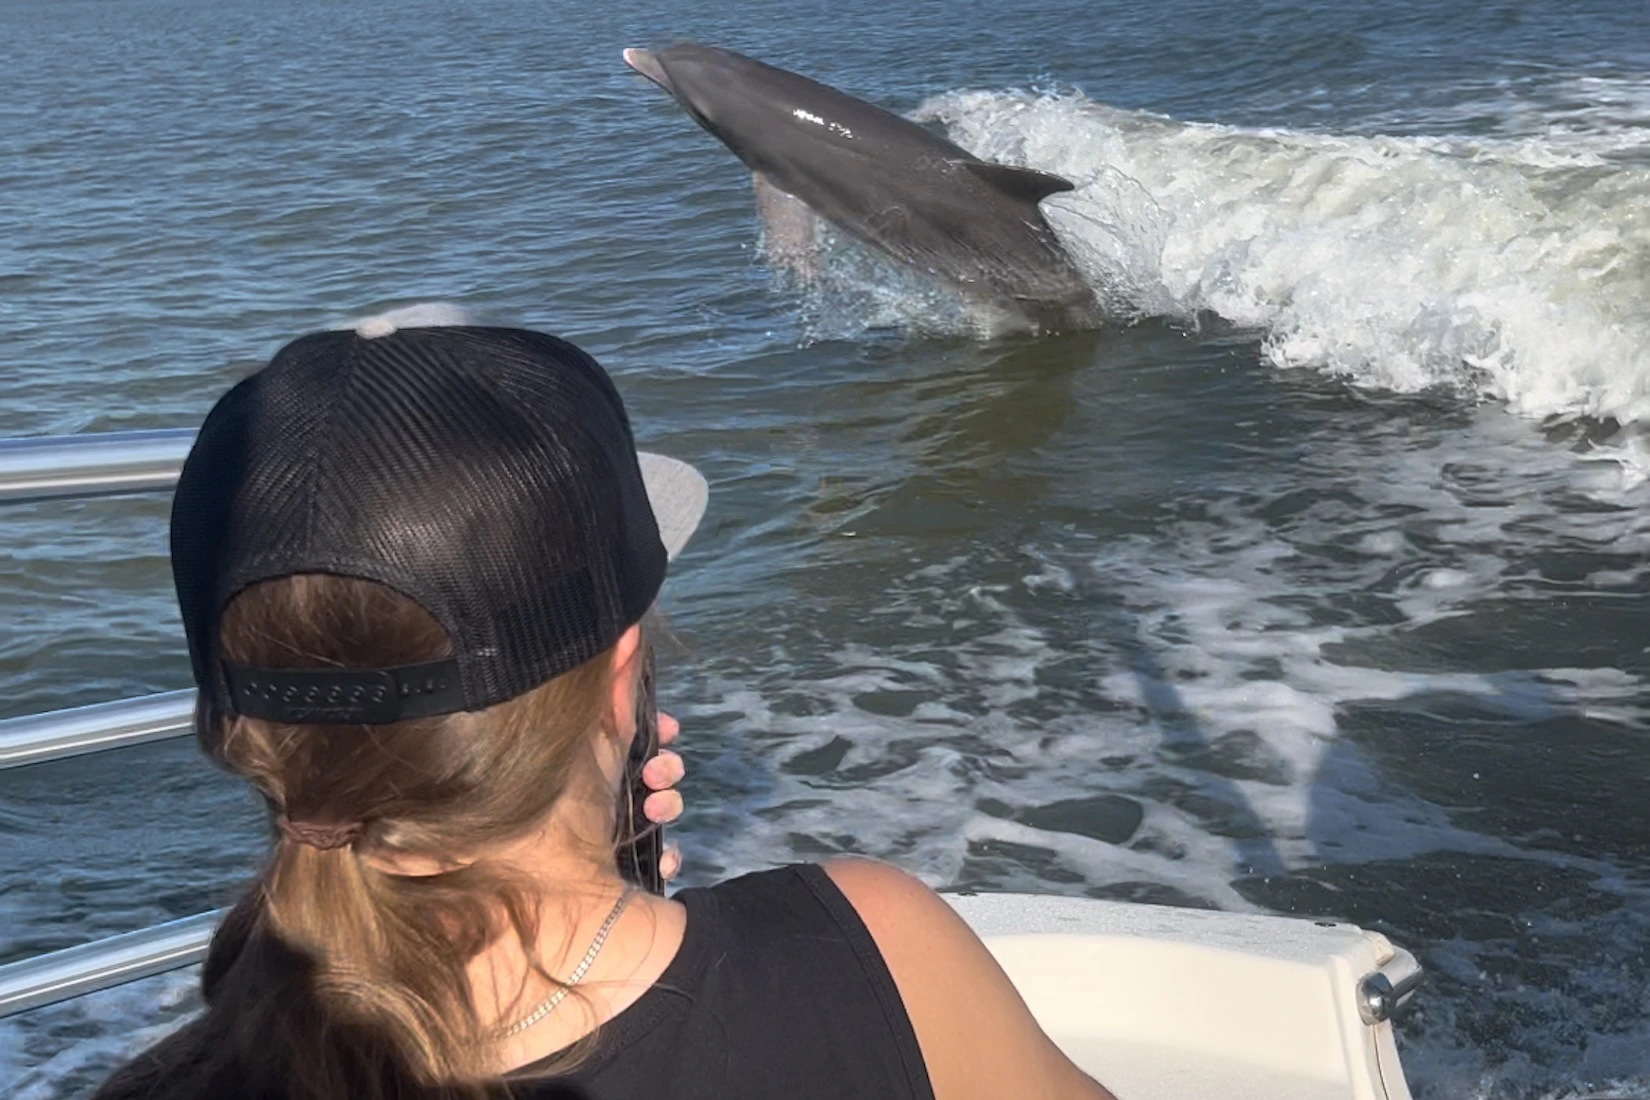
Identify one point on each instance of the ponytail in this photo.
(386, 962)
(331, 978)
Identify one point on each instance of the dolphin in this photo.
(881, 179)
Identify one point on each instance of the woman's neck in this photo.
(571, 858)
(638, 946)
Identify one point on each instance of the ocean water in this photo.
(1317, 581)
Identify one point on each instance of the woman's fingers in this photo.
(664, 771)
(663, 807)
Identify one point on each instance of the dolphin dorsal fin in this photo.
(1020, 183)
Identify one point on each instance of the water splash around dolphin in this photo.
(973, 224)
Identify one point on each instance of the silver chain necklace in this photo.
(548, 1005)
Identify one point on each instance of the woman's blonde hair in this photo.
(332, 979)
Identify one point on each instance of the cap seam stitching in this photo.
(327, 453)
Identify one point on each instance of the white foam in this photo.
(1224, 643)
(1513, 268)
(1500, 267)
(847, 290)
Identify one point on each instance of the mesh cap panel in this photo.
(487, 474)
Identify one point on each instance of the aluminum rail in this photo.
(90, 465)
(89, 967)
(94, 464)
(36, 738)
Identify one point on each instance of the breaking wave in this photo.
(1512, 268)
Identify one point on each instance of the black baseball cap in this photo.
(487, 474)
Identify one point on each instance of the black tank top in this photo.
(777, 991)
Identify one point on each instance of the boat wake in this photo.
(1509, 268)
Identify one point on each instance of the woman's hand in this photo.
(661, 774)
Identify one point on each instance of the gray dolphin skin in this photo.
(884, 180)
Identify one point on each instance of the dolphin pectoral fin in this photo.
(789, 229)
(1020, 183)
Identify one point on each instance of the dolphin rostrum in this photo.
(882, 179)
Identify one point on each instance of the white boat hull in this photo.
(1161, 1003)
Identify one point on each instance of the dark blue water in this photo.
(1316, 582)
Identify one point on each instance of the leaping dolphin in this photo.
(882, 179)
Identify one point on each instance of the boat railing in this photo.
(37, 738)
(91, 465)
(96, 465)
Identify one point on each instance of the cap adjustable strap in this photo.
(345, 696)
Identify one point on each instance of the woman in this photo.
(412, 567)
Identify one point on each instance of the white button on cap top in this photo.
(372, 328)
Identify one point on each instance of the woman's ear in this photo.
(622, 688)
(624, 650)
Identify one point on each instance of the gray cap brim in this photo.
(678, 494)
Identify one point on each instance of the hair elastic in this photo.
(317, 835)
